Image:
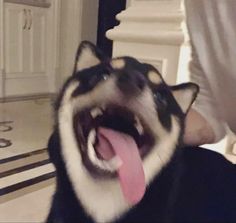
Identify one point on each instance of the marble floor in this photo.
(31, 207)
(26, 125)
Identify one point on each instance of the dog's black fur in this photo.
(197, 185)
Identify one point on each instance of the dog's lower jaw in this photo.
(103, 199)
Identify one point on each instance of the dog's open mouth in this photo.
(117, 141)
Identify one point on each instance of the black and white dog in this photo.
(117, 149)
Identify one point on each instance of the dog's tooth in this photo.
(140, 129)
(96, 112)
(92, 137)
(139, 126)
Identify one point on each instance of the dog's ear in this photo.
(87, 55)
(185, 94)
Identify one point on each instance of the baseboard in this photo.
(27, 97)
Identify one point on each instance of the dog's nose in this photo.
(131, 82)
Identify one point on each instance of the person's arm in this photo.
(197, 130)
(203, 123)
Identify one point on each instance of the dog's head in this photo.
(119, 124)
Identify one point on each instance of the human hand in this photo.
(197, 130)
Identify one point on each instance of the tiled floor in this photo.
(32, 207)
(31, 125)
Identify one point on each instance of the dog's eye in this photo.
(97, 78)
(159, 99)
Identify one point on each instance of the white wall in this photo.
(78, 22)
(89, 20)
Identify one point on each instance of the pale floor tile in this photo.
(32, 207)
(26, 175)
(32, 125)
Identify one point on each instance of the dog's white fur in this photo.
(103, 199)
(87, 59)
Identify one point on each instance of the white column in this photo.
(150, 30)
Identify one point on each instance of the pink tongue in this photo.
(131, 174)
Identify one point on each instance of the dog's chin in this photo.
(88, 127)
